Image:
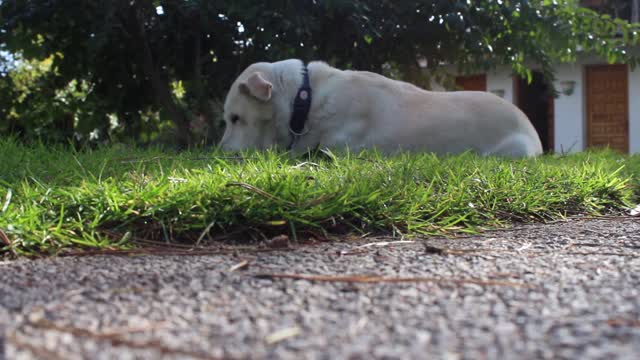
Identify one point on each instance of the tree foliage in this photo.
(135, 55)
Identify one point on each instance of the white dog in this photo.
(300, 107)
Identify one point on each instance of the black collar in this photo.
(301, 106)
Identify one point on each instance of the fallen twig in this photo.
(158, 251)
(385, 243)
(205, 232)
(5, 238)
(161, 245)
(430, 249)
(582, 253)
(624, 322)
(40, 352)
(133, 329)
(602, 254)
(380, 279)
(117, 340)
(353, 252)
(282, 335)
(524, 247)
(239, 266)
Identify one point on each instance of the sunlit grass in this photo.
(53, 198)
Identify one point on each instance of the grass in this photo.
(52, 198)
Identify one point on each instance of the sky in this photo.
(7, 61)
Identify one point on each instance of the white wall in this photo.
(501, 79)
(634, 111)
(570, 133)
(569, 118)
(570, 124)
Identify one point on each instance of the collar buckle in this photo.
(301, 106)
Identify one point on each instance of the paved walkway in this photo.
(568, 290)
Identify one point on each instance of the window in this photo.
(624, 9)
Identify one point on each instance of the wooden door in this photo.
(472, 82)
(608, 107)
(551, 123)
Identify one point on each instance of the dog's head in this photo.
(250, 111)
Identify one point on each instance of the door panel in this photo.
(472, 82)
(608, 107)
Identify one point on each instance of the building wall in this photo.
(501, 79)
(570, 119)
(570, 133)
(634, 111)
(570, 111)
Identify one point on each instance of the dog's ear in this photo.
(257, 86)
